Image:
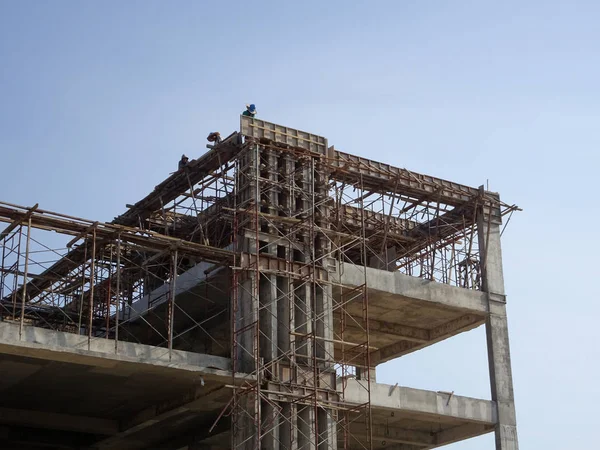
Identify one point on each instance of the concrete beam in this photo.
(394, 435)
(200, 399)
(437, 334)
(55, 421)
(462, 323)
(404, 447)
(201, 439)
(393, 351)
(405, 332)
(461, 432)
(153, 416)
(396, 283)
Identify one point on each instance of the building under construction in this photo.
(246, 303)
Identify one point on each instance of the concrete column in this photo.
(324, 311)
(247, 315)
(362, 375)
(302, 322)
(268, 317)
(284, 324)
(288, 429)
(244, 427)
(306, 430)
(497, 330)
(385, 261)
(327, 421)
(270, 427)
(244, 431)
(268, 351)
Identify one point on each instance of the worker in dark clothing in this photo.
(183, 161)
(250, 110)
(215, 137)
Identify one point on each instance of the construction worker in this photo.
(250, 110)
(215, 137)
(183, 161)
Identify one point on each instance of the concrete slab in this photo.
(124, 398)
(68, 347)
(394, 398)
(405, 313)
(426, 419)
(136, 396)
(397, 284)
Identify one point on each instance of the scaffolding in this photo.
(284, 332)
(240, 254)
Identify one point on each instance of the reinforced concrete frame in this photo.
(243, 254)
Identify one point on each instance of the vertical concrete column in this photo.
(306, 428)
(327, 422)
(270, 427)
(268, 317)
(288, 429)
(268, 283)
(303, 322)
(284, 323)
(324, 311)
(497, 329)
(362, 375)
(285, 304)
(273, 191)
(325, 261)
(245, 432)
(268, 351)
(247, 314)
(385, 261)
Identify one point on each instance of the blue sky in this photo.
(99, 99)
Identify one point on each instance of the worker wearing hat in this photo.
(250, 110)
(215, 137)
(183, 161)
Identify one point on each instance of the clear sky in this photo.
(98, 100)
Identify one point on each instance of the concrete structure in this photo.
(247, 302)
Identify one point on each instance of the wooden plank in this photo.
(18, 221)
